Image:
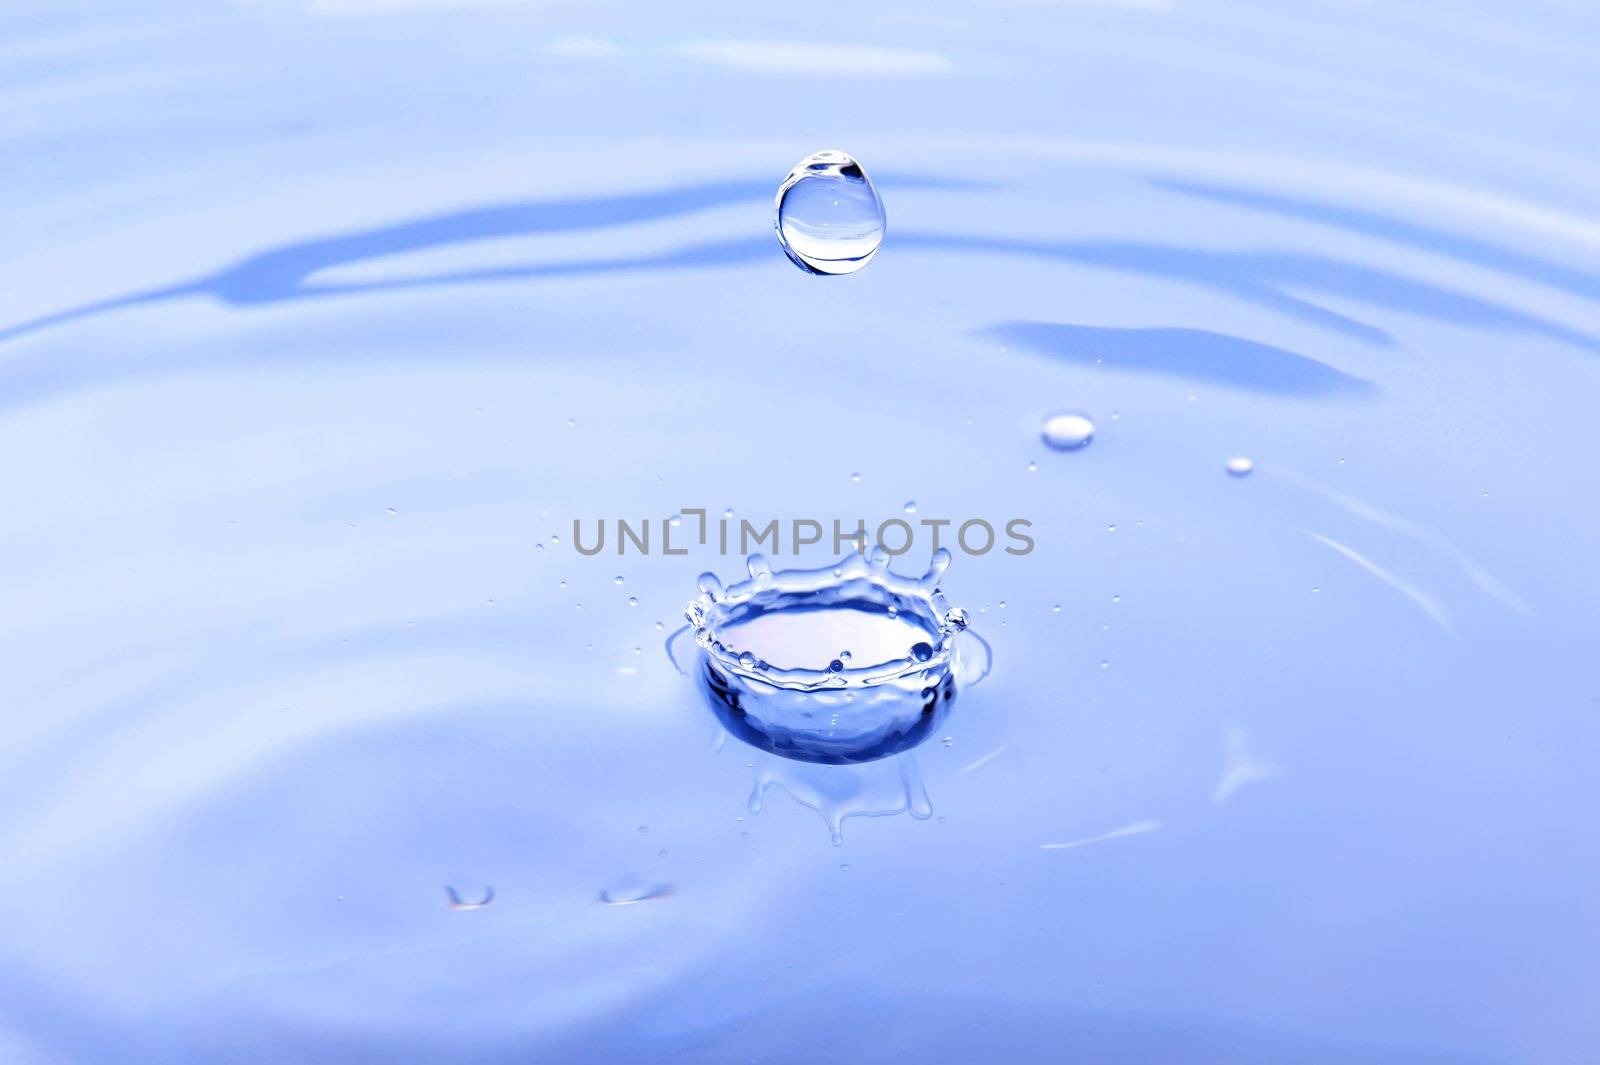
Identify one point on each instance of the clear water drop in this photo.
(828, 216)
(1239, 466)
(633, 600)
(921, 651)
(911, 506)
(1067, 430)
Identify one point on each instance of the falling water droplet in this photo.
(1239, 466)
(828, 216)
(921, 651)
(1067, 430)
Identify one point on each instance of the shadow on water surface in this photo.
(280, 274)
(1268, 279)
(1195, 354)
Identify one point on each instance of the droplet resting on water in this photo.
(828, 216)
(453, 897)
(1067, 430)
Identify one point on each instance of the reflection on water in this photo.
(837, 792)
(301, 392)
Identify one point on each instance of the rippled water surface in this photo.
(321, 320)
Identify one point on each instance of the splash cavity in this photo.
(847, 663)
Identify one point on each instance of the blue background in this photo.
(321, 320)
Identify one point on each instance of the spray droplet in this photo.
(911, 506)
(1239, 466)
(1067, 430)
(633, 600)
(921, 651)
(828, 216)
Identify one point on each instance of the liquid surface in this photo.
(341, 309)
(811, 639)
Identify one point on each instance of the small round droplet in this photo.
(911, 506)
(616, 580)
(836, 666)
(922, 651)
(633, 600)
(1239, 466)
(1067, 430)
(828, 216)
(747, 660)
(855, 478)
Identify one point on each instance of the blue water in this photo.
(321, 320)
